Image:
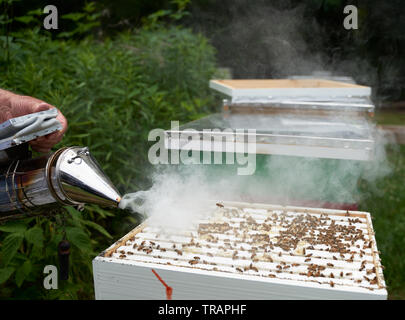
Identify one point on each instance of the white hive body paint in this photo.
(247, 251)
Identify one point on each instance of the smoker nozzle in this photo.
(70, 176)
(75, 178)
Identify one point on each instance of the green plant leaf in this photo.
(89, 7)
(65, 34)
(79, 238)
(36, 12)
(22, 272)
(25, 19)
(76, 215)
(74, 16)
(5, 274)
(10, 246)
(97, 227)
(15, 227)
(35, 236)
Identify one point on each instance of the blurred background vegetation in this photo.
(118, 69)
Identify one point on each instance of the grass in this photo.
(387, 205)
(386, 202)
(390, 117)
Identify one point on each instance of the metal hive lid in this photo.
(293, 94)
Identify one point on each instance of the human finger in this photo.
(5, 113)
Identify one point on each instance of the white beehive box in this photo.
(247, 251)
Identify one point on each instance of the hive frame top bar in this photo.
(289, 88)
(269, 104)
(109, 256)
(325, 76)
(347, 213)
(295, 135)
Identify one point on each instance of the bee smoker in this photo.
(69, 176)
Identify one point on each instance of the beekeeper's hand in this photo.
(14, 105)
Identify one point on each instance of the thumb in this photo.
(41, 106)
(22, 105)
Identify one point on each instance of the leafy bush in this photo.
(112, 93)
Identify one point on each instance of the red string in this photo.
(169, 290)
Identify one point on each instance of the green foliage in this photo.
(28, 245)
(5, 273)
(112, 93)
(10, 245)
(386, 202)
(155, 19)
(84, 21)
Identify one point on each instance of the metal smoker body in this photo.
(69, 176)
